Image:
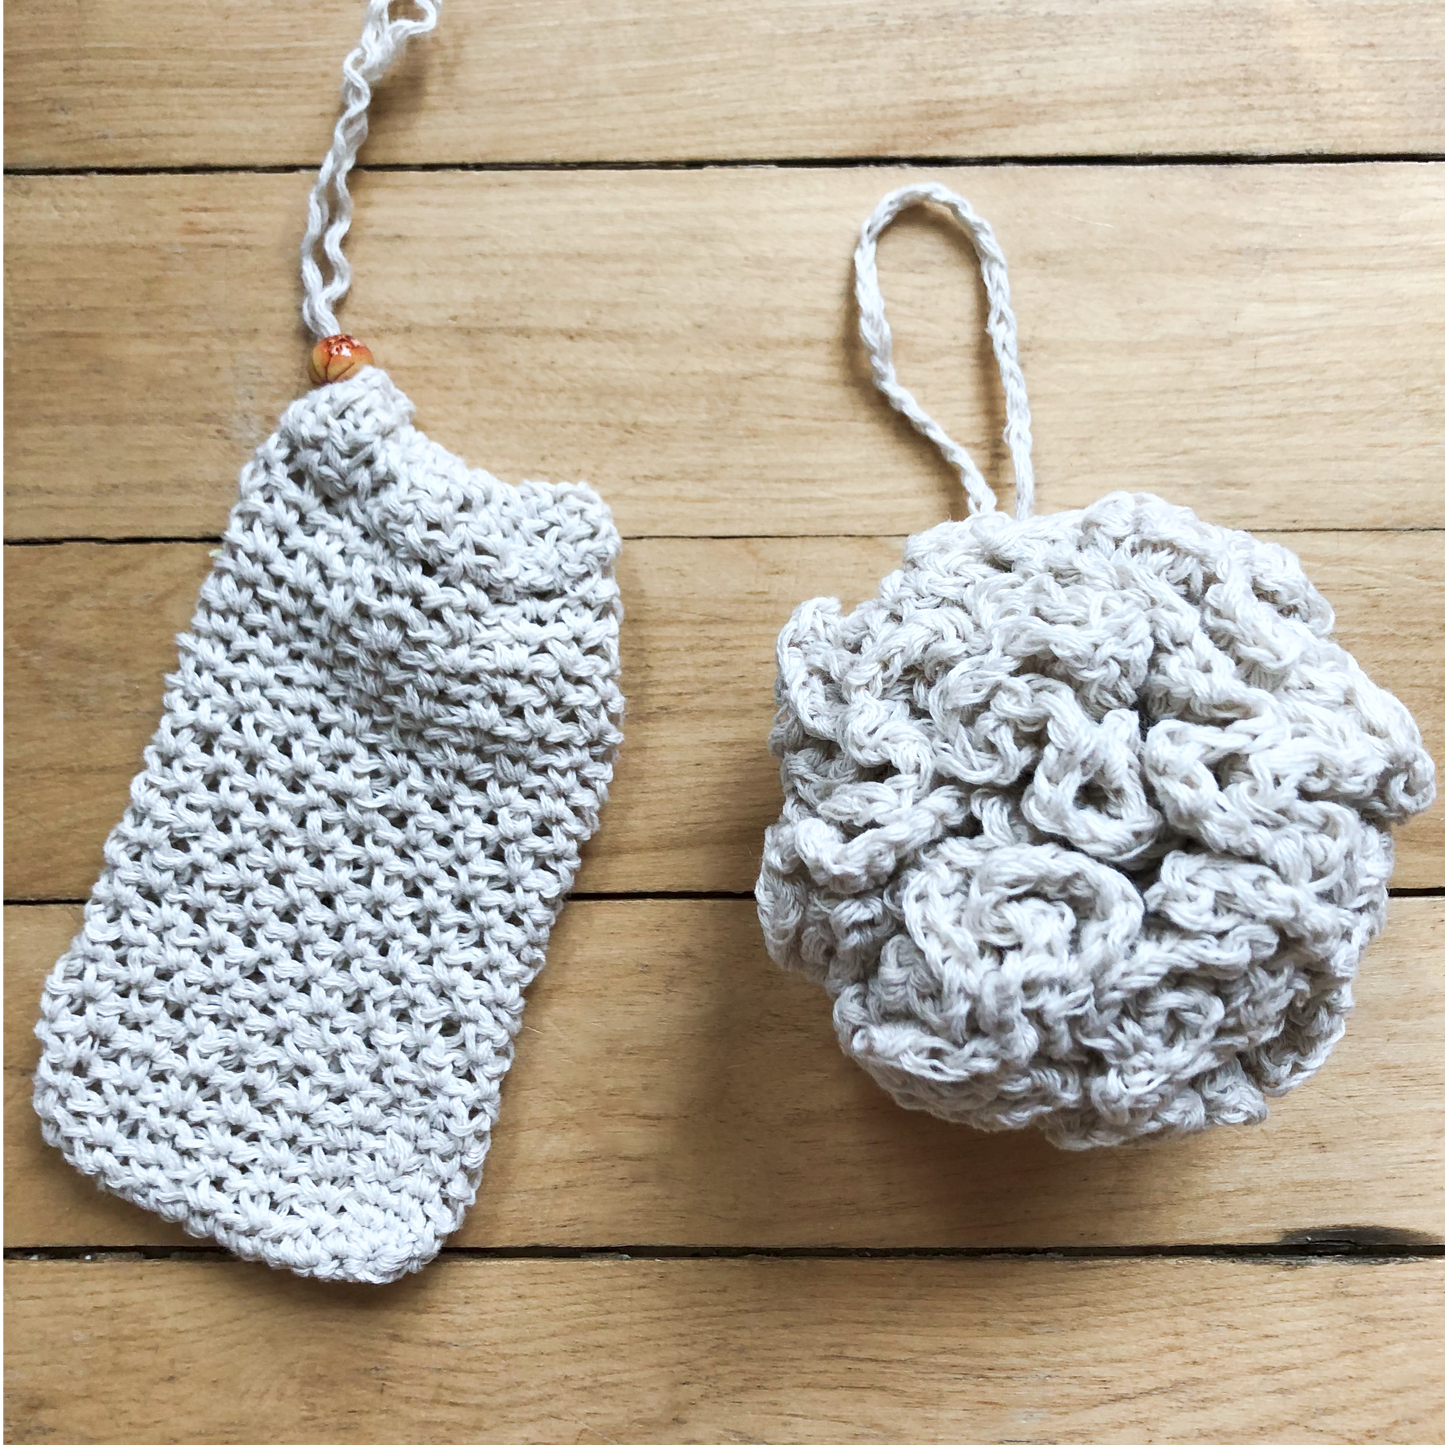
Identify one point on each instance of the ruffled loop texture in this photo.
(1086, 821)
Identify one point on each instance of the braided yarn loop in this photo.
(286, 1019)
(1086, 821)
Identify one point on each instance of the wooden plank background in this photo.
(818, 1352)
(153, 83)
(1263, 343)
(1227, 248)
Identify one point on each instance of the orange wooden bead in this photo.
(334, 358)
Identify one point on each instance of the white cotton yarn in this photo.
(286, 1019)
(328, 208)
(1086, 816)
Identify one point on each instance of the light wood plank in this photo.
(89, 637)
(1261, 343)
(688, 1351)
(673, 1087)
(150, 82)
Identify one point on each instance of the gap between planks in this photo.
(1362, 1245)
(1141, 159)
(215, 538)
(643, 895)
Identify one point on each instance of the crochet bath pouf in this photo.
(1086, 816)
(286, 1019)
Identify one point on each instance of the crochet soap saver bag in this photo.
(286, 1019)
(1086, 817)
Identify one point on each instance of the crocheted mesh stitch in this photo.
(286, 1019)
(1085, 821)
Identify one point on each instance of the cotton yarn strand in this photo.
(1002, 330)
(328, 211)
(1086, 817)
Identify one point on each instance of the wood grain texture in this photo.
(837, 1352)
(90, 634)
(673, 1087)
(155, 82)
(1262, 343)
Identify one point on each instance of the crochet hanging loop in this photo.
(1002, 329)
(328, 215)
